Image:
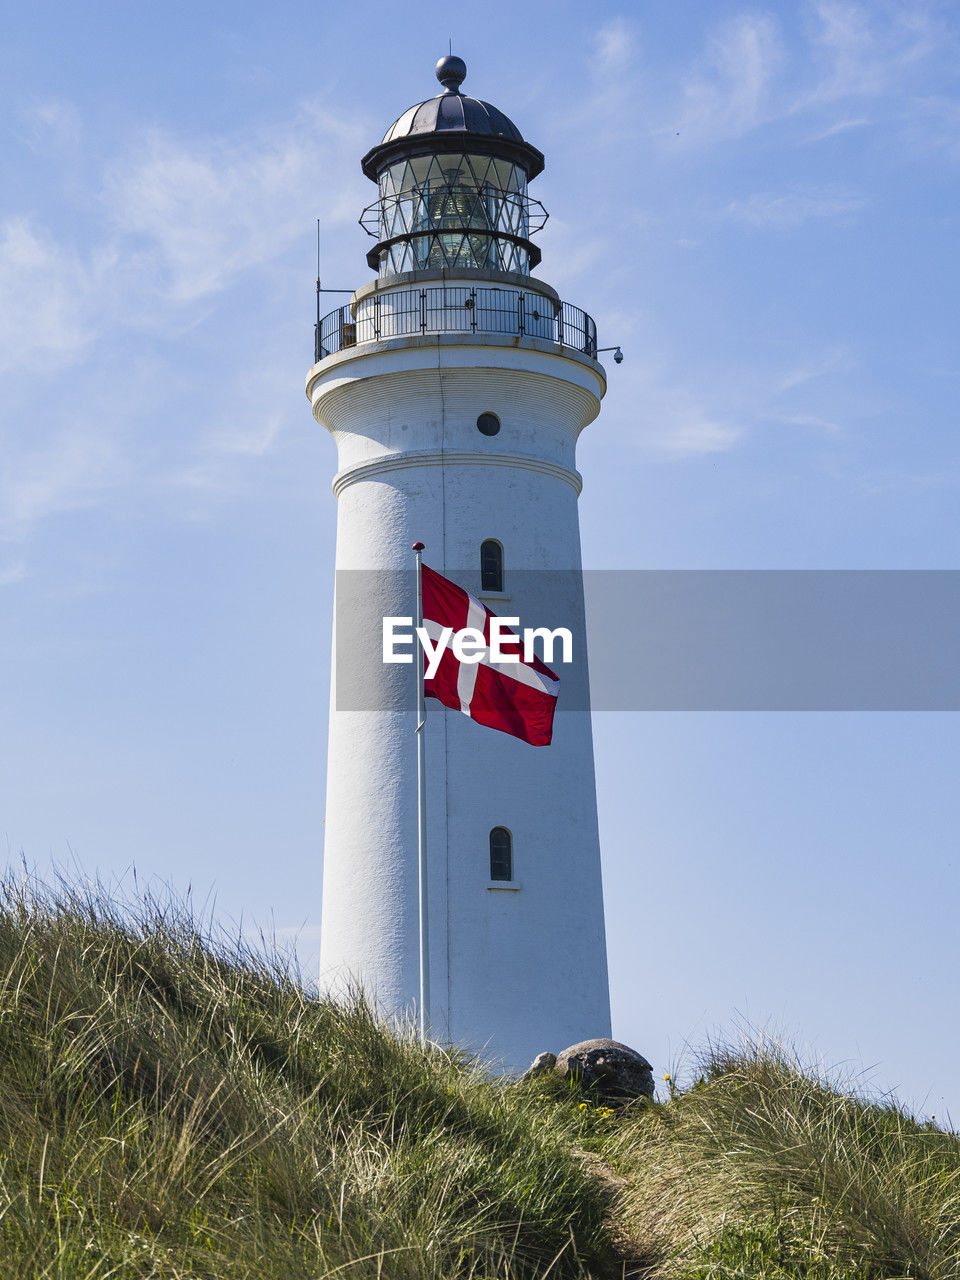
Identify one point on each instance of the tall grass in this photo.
(765, 1169)
(175, 1106)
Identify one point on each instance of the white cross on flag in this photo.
(518, 696)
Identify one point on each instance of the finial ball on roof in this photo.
(451, 72)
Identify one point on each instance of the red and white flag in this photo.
(517, 696)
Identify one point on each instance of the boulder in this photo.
(612, 1070)
(542, 1062)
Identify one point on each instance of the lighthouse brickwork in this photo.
(455, 386)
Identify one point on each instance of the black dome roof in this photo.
(453, 111)
(446, 122)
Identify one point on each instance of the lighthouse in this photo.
(455, 386)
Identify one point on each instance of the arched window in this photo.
(501, 854)
(491, 566)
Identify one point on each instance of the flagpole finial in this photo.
(418, 546)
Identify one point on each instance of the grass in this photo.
(762, 1169)
(174, 1105)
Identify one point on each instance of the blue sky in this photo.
(758, 202)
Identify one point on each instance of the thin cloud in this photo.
(676, 418)
(46, 291)
(934, 127)
(834, 360)
(253, 441)
(810, 421)
(571, 253)
(697, 434)
(749, 77)
(614, 46)
(49, 124)
(670, 421)
(213, 210)
(839, 127)
(729, 92)
(612, 83)
(69, 471)
(189, 221)
(788, 209)
(13, 573)
(893, 479)
(864, 50)
(850, 48)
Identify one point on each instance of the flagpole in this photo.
(424, 1010)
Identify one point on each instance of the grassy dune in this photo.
(174, 1106)
(762, 1169)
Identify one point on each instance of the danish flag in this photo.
(517, 697)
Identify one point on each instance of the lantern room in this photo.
(452, 174)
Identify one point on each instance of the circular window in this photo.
(488, 424)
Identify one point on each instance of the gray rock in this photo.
(615, 1072)
(542, 1063)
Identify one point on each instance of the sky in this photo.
(758, 202)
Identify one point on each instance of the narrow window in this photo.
(501, 854)
(491, 566)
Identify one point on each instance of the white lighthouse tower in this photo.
(455, 386)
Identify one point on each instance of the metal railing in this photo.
(456, 309)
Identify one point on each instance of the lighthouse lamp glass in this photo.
(440, 211)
